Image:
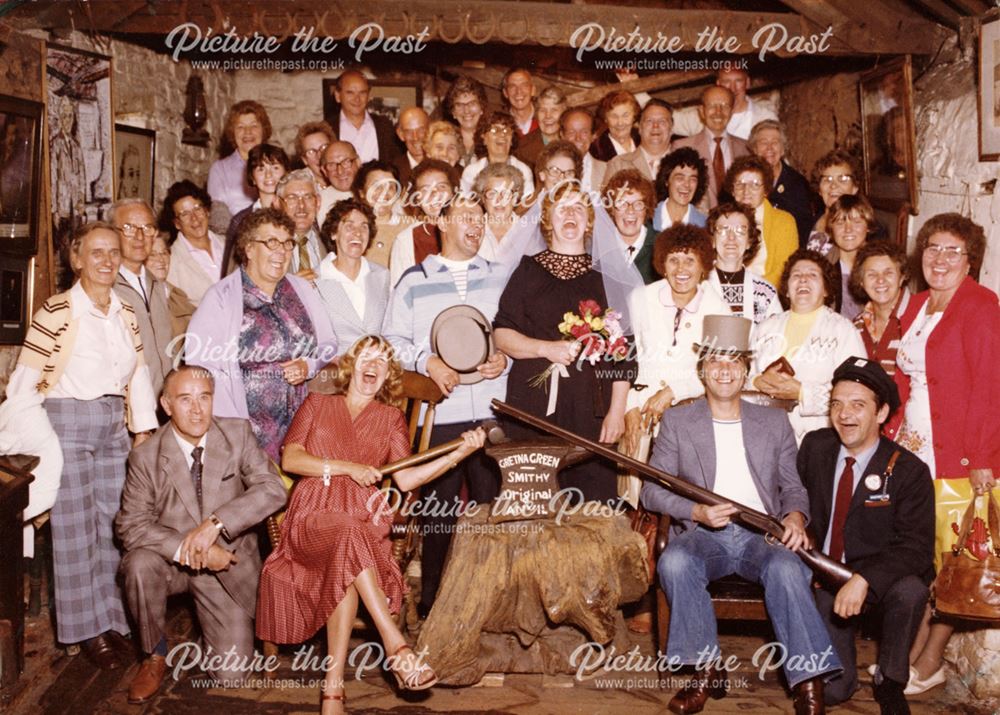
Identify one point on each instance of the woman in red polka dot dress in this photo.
(334, 549)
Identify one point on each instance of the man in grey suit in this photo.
(137, 226)
(714, 143)
(656, 124)
(746, 453)
(185, 525)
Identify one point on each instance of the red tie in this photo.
(718, 166)
(845, 489)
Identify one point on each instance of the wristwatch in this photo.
(217, 523)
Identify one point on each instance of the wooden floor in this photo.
(55, 683)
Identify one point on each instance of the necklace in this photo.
(730, 277)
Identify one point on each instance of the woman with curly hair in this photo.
(247, 125)
(334, 551)
(496, 141)
(667, 317)
(466, 103)
(618, 112)
(796, 352)
(681, 181)
(737, 240)
(880, 275)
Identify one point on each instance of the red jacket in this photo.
(963, 377)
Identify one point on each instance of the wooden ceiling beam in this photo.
(945, 13)
(504, 21)
(872, 27)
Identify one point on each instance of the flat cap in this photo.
(870, 374)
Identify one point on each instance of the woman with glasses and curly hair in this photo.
(334, 551)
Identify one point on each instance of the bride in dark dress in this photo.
(334, 551)
(590, 399)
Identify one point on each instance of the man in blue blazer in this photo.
(746, 453)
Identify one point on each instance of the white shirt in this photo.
(732, 473)
(630, 255)
(208, 262)
(140, 282)
(365, 140)
(525, 127)
(653, 162)
(328, 196)
(621, 148)
(355, 289)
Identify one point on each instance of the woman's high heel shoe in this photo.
(419, 678)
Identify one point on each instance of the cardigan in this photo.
(832, 339)
(48, 346)
(963, 381)
(189, 275)
(781, 237)
(213, 338)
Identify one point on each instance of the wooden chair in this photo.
(422, 397)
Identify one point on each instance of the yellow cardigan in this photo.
(781, 236)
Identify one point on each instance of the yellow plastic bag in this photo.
(951, 498)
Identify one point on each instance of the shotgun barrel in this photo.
(830, 572)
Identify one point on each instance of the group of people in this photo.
(706, 254)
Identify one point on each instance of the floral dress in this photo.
(916, 433)
(275, 329)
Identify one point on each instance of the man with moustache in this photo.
(714, 143)
(298, 197)
(656, 122)
(746, 453)
(872, 503)
(193, 494)
(577, 127)
(456, 276)
(340, 165)
(135, 285)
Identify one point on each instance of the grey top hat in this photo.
(727, 334)
(463, 338)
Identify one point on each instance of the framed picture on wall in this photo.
(989, 90)
(15, 297)
(81, 162)
(20, 169)
(886, 95)
(387, 98)
(135, 159)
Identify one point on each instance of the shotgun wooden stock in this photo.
(830, 572)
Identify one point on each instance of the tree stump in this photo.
(522, 596)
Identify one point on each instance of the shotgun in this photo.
(830, 572)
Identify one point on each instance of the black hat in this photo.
(870, 374)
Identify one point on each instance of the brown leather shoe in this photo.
(809, 697)
(703, 685)
(101, 652)
(148, 680)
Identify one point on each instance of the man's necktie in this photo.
(631, 254)
(842, 504)
(304, 263)
(196, 468)
(718, 166)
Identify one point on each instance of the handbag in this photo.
(967, 587)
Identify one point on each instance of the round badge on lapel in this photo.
(463, 338)
(873, 482)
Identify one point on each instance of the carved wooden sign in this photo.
(529, 488)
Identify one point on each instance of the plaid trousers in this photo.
(95, 446)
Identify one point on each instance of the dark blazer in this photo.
(644, 259)
(793, 194)
(385, 134)
(686, 447)
(239, 485)
(882, 543)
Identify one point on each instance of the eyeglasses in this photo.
(315, 151)
(185, 215)
(733, 231)
(500, 131)
(842, 179)
(130, 229)
(298, 198)
(637, 206)
(342, 164)
(556, 173)
(273, 244)
(748, 184)
(952, 254)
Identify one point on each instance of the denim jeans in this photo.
(702, 555)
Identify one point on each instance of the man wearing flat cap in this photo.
(872, 505)
(746, 453)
